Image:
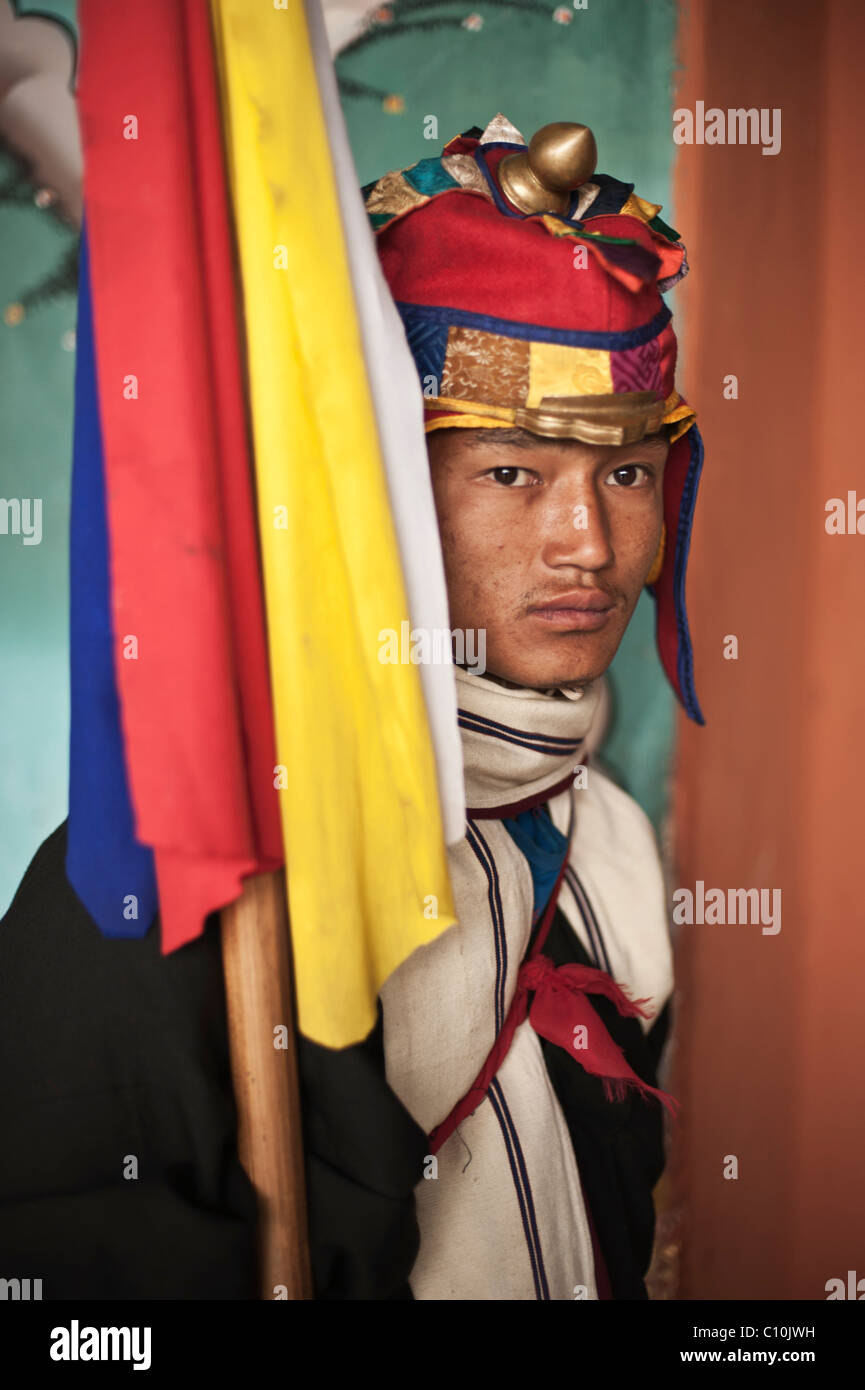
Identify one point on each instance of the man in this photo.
(529, 289)
(506, 1216)
(499, 1133)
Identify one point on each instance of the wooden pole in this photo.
(256, 955)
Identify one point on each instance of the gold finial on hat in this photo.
(560, 157)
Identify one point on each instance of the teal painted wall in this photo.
(36, 377)
(37, 364)
(610, 67)
(36, 373)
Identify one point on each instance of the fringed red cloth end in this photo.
(562, 1014)
(616, 1090)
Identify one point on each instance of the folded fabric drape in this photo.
(399, 412)
(190, 657)
(366, 863)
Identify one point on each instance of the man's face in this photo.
(547, 545)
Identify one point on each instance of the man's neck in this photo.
(568, 688)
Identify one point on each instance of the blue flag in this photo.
(110, 871)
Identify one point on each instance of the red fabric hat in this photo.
(531, 290)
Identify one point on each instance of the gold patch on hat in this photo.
(556, 369)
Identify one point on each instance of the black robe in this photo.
(114, 1061)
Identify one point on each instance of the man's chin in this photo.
(542, 677)
(553, 683)
(547, 670)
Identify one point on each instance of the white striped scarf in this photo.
(504, 1217)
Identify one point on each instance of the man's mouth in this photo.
(583, 610)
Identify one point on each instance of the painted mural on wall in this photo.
(412, 74)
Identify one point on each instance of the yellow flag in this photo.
(366, 863)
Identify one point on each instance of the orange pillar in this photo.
(769, 1059)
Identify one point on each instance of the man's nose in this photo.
(576, 532)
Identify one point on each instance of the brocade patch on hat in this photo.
(485, 367)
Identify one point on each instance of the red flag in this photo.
(191, 657)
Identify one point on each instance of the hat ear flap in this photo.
(658, 563)
(681, 477)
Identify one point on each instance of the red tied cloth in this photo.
(558, 1010)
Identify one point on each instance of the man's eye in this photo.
(629, 474)
(510, 477)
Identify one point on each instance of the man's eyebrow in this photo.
(659, 437)
(653, 442)
(517, 438)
